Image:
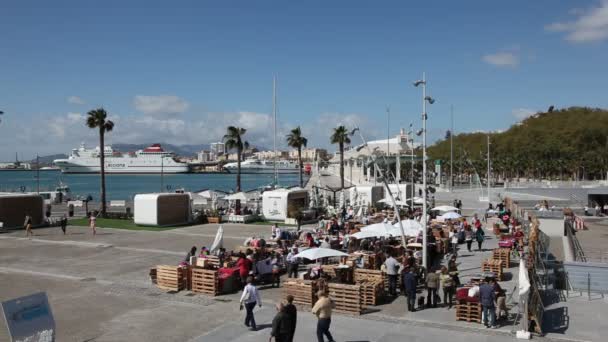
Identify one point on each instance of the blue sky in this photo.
(182, 71)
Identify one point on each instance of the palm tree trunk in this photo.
(238, 170)
(342, 166)
(102, 158)
(300, 166)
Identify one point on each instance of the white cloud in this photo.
(501, 59)
(522, 113)
(160, 105)
(76, 100)
(590, 25)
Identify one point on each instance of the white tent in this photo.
(164, 209)
(410, 228)
(318, 253)
(445, 208)
(380, 228)
(369, 234)
(239, 196)
(364, 195)
(450, 216)
(417, 200)
(275, 203)
(219, 240)
(390, 203)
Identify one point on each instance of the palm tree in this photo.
(341, 137)
(296, 140)
(98, 118)
(234, 140)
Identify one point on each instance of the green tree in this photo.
(296, 140)
(98, 119)
(234, 140)
(340, 137)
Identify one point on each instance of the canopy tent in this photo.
(369, 234)
(410, 228)
(445, 208)
(417, 200)
(239, 196)
(318, 253)
(378, 228)
(219, 240)
(389, 202)
(450, 216)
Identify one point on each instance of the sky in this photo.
(182, 71)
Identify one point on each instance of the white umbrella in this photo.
(219, 240)
(450, 216)
(368, 234)
(378, 228)
(445, 208)
(410, 228)
(318, 253)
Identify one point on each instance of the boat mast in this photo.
(274, 114)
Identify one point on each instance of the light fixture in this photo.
(419, 82)
(429, 99)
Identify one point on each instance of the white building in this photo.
(267, 155)
(309, 154)
(206, 156)
(401, 144)
(218, 148)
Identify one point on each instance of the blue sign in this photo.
(29, 318)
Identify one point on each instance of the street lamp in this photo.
(430, 100)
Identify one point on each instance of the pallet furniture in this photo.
(347, 298)
(502, 254)
(470, 312)
(152, 275)
(362, 274)
(304, 292)
(205, 281)
(341, 274)
(494, 266)
(172, 278)
(371, 292)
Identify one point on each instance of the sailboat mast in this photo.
(274, 114)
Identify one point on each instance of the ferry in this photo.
(263, 166)
(152, 159)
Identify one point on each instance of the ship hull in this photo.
(261, 171)
(143, 169)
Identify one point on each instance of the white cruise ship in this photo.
(152, 159)
(263, 166)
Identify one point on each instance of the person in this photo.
(292, 317)
(293, 263)
(249, 299)
(27, 224)
(432, 284)
(392, 269)
(453, 270)
(410, 282)
(479, 236)
(325, 243)
(501, 301)
(487, 296)
(280, 325)
(454, 241)
(323, 309)
(92, 223)
(468, 237)
(190, 254)
(276, 262)
(244, 265)
(64, 223)
(447, 284)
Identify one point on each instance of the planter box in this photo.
(214, 219)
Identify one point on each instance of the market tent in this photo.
(318, 253)
(410, 228)
(368, 234)
(450, 216)
(389, 202)
(219, 240)
(239, 196)
(445, 208)
(378, 228)
(417, 200)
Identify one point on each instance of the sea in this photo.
(125, 187)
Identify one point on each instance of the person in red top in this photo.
(244, 266)
(310, 240)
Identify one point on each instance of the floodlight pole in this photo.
(424, 208)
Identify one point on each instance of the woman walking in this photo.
(92, 223)
(28, 226)
(249, 299)
(447, 284)
(479, 236)
(322, 309)
(468, 237)
(64, 223)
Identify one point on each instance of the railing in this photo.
(579, 253)
(587, 277)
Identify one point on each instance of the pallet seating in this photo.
(347, 298)
(205, 281)
(304, 292)
(502, 254)
(470, 312)
(371, 292)
(494, 266)
(171, 278)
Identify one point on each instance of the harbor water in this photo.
(125, 187)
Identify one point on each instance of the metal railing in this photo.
(579, 253)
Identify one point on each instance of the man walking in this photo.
(392, 269)
(409, 281)
(64, 223)
(250, 298)
(432, 284)
(322, 309)
(487, 296)
(292, 318)
(280, 325)
(293, 263)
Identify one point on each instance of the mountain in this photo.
(47, 160)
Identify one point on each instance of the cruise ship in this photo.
(152, 159)
(263, 166)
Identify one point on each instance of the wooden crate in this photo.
(205, 281)
(346, 297)
(494, 266)
(502, 254)
(470, 312)
(304, 292)
(371, 292)
(342, 275)
(171, 278)
(152, 275)
(362, 274)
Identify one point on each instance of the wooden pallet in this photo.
(469, 312)
(152, 275)
(171, 278)
(502, 254)
(347, 298)
(304, 292)
(494, 266)
(371, 292)
(205, 281)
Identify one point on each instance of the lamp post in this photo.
(411, 136)
(430, 100)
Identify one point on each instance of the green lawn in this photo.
(114, 223)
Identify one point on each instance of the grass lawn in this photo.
(114, 223)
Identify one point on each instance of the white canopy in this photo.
(237, 196)
(417, 200)
(450, 216)
(318, 253)
(369, 234)
(410, 228)
(389, 202)
(378, 228)
(219, 240)
(445, 208)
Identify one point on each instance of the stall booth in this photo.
(162, 209)
(366, 195)
(284, 204)
(401, 191)
(14, 207)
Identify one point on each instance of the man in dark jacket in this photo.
(280, 325)
(487, 296)
(409, 282)
(292, 317)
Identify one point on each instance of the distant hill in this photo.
(47, 160)
(564, 143)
